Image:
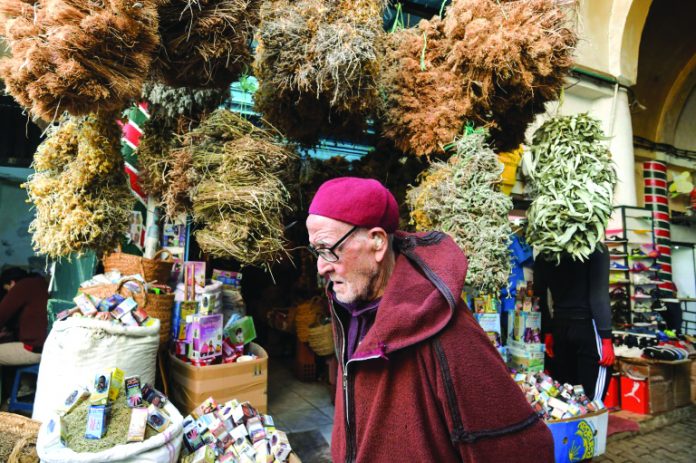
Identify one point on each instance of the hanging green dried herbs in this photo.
(572, 183)
(461, 198)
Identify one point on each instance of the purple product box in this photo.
(106, 305)
(204, 337)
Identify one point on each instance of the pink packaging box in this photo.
(204, 337)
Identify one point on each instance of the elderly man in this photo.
(420, 382)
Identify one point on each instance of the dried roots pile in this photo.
(488, 62)
(461, 198)
(572, 183)
(236, 189)
(77, 56)
(79, 190)
(205, 43)
(317, 64)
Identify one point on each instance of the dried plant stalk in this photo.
(232, 173)
(77, 56)
(317, 64)
(79, 191)
(488, 62)
(205, 43)
(461, 197)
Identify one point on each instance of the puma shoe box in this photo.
(649, 387)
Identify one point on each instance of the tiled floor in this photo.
(297, 406)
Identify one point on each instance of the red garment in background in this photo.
(25, 305)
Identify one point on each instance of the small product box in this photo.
(527, 327)
(192, 436)
(110, 303)
(225, 413)
(187, 309)
(204, 337)
(280, 446)
(204, 455)
(255, 428)
(127, 306)
(208, 406)
(153, 396)
(140, 315)
(241, 331)
(75, 398)
(96, 422)
(138, 423)
(239, 433)
(102, 384)
(157, 419)
(116, 383)
(85, 304)
(134, 395)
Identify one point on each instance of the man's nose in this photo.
(323, 267)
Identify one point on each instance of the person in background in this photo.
(418, 379)
(23, 312)
(578, 336)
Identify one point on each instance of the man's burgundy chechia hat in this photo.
(358, 201)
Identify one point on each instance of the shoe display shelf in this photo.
(632, 269)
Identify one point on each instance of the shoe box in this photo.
(613, 398)
(650, 387)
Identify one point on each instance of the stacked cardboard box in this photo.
(650, 387)
(245, 381)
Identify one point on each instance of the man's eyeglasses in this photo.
(328, 254)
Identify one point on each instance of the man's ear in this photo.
(379, 242)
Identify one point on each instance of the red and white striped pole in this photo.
(655, 178)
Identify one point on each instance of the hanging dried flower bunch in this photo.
(489, 62)
(79, 191)
(205, 43)
(235, 187)
(461, 197)
(572, 183)
(317, 63)
(77, 56)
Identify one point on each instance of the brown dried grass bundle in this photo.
(491, 63)
(317, 63)
(79, 190)
(77, 56)
(234, 187)
(205, 43)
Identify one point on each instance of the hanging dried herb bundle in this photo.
(461, 198)
(236, 190)
(572, 183)
(79, 190)
(173, 102)
(317, 64)
(488, 62)
(205, 43)
(77, 56)
(174, 111)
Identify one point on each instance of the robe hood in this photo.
(421, 295)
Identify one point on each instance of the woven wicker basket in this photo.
(307, 314)
(18, 438)
(156, 269)
(321, 339)
(156, 305)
